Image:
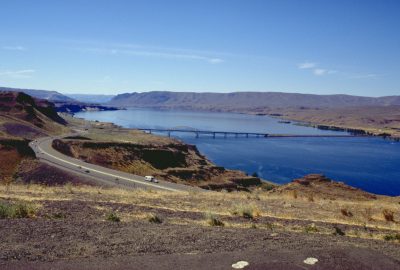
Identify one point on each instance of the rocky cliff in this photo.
(175, 162)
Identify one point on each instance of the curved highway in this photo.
(101, 175)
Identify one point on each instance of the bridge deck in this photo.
(247, 134)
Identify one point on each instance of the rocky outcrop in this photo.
(246, 181)
(317, 185)
(311, 178)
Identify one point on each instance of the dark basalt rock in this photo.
(308, 179)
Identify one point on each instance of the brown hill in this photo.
(25, 117)
(239, 101)
(52, 96)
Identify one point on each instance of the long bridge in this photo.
(225, 134)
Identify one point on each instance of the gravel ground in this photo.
(74, 234)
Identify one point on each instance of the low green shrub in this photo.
(17, 210)
(267, 186)
(311, 228)
(392, 237)
(244, 210)
(113, 217)
(59, 215)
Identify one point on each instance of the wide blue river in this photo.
(370, 163)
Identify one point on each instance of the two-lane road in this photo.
(46, 153)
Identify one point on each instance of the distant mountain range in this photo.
(238, 101)
(53, 96)
(87, 98)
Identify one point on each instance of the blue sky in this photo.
(111, 47)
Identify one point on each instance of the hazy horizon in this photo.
(197, 92)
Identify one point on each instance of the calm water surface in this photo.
(372, 164)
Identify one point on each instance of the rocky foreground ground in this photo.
(69, 227)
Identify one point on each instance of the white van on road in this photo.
(150, 179)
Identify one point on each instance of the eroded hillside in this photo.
(165, 158)
(23, 118)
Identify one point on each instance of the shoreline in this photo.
(245, 177)
(352, 131)
(284, 119)
(247, 172)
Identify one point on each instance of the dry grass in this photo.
(284, 209)
(17, 210)
(139, 167)
(108, 132)
(69, 188)
(248, 211)
(213, 220)
(113, 134)
(153, 218)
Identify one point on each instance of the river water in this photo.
(370, 163)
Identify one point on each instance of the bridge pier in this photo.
(247, 135)
(169, 134)
(197, 135)
(213, 135)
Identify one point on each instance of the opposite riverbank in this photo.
(378, 116)
(372, 121)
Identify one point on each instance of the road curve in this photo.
(46, 153)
